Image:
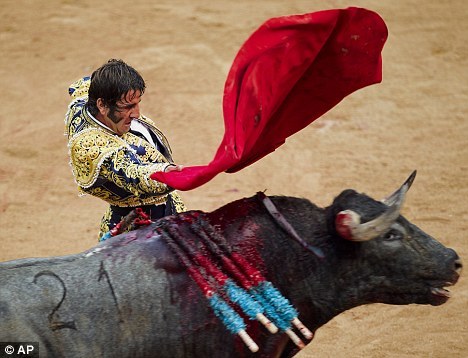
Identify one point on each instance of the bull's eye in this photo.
(396, 232)
(393, 235)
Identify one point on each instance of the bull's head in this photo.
(403, 263)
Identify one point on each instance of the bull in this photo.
(131, 296)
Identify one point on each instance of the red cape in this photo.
(289, 72)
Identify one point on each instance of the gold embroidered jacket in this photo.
(111, 167)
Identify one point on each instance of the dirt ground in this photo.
(414, 119)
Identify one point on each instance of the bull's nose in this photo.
(458, 266)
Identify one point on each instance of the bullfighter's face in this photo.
(119, 117)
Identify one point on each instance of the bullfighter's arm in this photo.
(126, 171)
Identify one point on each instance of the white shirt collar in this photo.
(135, 125)
(99, 122)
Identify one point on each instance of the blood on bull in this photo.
(134, 295)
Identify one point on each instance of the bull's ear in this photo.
(348, 223)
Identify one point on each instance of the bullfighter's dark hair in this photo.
(111, 81)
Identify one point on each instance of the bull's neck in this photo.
(318, 288)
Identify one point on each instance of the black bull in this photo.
(131, 297)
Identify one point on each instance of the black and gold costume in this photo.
(117, 168)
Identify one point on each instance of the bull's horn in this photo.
(348, 222)
(399, 195)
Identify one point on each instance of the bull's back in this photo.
(126, 298)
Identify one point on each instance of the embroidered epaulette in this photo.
(88, 150)
(79, 88)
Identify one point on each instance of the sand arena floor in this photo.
(414, 119)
